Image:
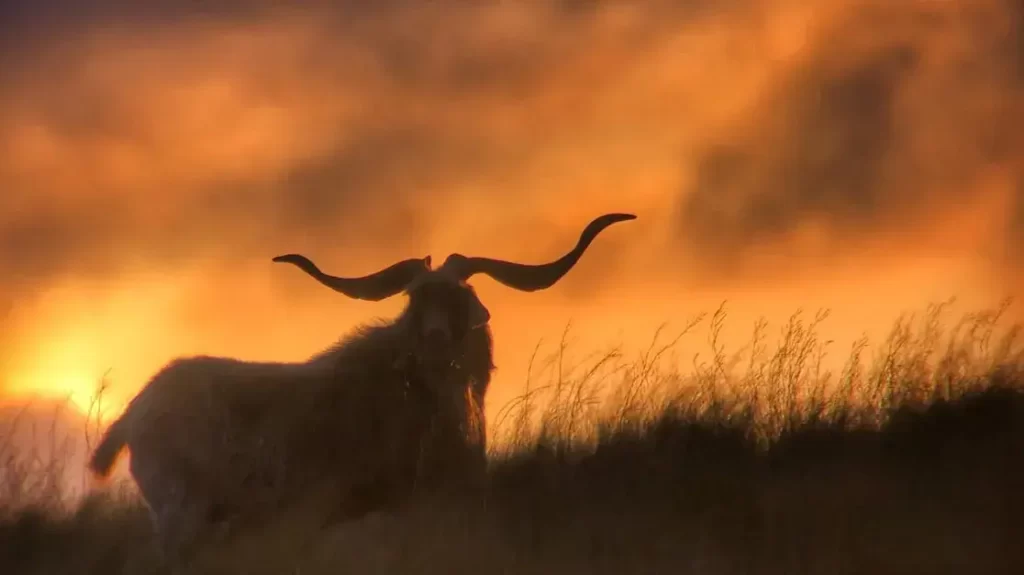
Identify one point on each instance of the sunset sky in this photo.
(865, 155)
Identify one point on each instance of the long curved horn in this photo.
(525, 277)
(374, 287)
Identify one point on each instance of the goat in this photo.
(393, 407)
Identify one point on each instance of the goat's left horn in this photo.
(374, 287)
(525, 277)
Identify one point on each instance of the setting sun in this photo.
(62, 366)
(87, 336)
(77, 388)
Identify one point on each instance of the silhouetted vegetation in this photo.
(764, 461)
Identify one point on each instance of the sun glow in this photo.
(79, 389)
(88, 336)
(62, 367)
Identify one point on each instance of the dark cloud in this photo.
(894, 110)
(402, 107)
(1013, 246)
(41, 241)
(828, 157)
(366, 192)
(424, 90)
(62, 15)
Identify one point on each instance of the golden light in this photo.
(57, 384)
(57, 367)
(84, 336)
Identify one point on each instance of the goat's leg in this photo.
(179, 509)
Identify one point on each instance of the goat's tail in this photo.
(110, 447)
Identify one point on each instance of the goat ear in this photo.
(477, 314)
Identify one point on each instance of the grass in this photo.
(759, 461)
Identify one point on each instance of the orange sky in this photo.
(861, 155)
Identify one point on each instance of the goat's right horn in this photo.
(526, 277)
(374, 287)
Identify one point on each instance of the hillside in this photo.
(906, 463)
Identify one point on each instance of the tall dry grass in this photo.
(907, 459)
